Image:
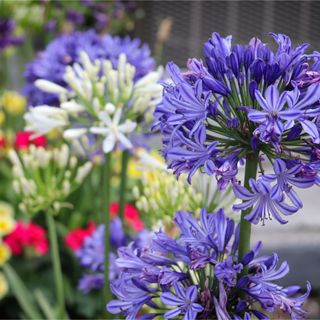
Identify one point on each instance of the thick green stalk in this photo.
(106, 197)
(123, 183)
(245, 226)
(55, 256)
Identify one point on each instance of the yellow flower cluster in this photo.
(13, 103)
(7, 224)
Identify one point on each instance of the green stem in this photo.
(123, 183)
(106, 197)
(245, 226)
(58, 279)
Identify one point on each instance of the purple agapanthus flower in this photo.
(198, 276)
(265, 201)
(7, 38)
(243, 102)
(65, 50)
(184, 300)
(286, 178)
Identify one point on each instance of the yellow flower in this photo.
(2, 118)
(7, 224)
(13, 102)
(133, 172)
(6, 210)
(5, 253)
(3, 286)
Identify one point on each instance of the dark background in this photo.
(194, 22)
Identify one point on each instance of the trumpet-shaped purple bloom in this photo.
(279, 111)
(65, 50)
(184, 300)
(264, 200)
(286, 178)
(198, 275)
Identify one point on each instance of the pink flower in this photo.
(27, 236)
(23, 140)
(75, 238)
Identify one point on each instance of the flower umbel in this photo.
(245, 100)
(102, 100)
(197, 276)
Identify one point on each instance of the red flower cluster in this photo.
(27, 236)
(75, 238)
(131, 215)
(23, 140)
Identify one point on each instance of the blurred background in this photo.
(175, 31)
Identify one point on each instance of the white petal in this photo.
(105, 118)
(125, 141)
(100, 130)
(109, 143)
(116, 117)
(128, 126)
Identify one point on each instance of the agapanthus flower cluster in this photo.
(28, 238)
(198, 276)
(91, 254)
(43, 179)
(246, 102)
(103, 101)
(65, 51)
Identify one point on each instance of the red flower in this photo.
(2, 142)
(23, 140)
(27, 236)
(75, 238)
(131, 215)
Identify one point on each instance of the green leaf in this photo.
(22, 294)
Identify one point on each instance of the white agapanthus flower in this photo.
(102, 100)
(113, 130)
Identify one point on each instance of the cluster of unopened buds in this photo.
(43, 179)
(102, 101)
(162, 195)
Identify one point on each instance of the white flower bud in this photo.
(72, 107)
(110, 108)
(63, 156)
(83, 171)
(49, 86)
(71, 134)
(73, 162)
(14, 158)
